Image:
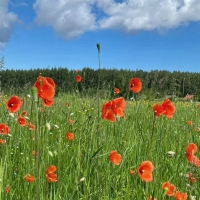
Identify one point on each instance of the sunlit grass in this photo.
(83, 167)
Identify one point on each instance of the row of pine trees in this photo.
(156, 84)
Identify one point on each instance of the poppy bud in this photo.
(170, 154)
(98, 47)
(35, 94)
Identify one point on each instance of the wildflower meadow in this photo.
(72, 147)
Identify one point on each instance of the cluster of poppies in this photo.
(116, 107)
(13, 105)
(165, 108)
(50, 174)
(45, 89)
(191, 150)
(135, 85)
(110, 111)
(144, 170)
(113, 108)
(170, 191)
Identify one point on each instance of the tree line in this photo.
(155, 83)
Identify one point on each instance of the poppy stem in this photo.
(151, 139)
(37, 144)
(98, 47)
(135, 97)
(98, 96)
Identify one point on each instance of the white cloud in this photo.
(69, 18)
(136, 15)
(7, 21)
(2, 45)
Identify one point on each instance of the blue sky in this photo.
(133, 34)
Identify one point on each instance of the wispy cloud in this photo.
(7, 21)
(68, 18)
(72, 18)
(134, 15)
(18, 4)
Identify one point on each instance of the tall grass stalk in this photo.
(98, 97)
(98, 100)
(151, 138)
(37, 144)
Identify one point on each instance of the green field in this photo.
(83, 167)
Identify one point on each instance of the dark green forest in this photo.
(156, 83)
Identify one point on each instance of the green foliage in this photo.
(154, 82)
(2, 63)
(83, 167)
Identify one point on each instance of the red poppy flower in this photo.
(131, 171)
(135, 85)
(191, 178)
(118, 106)
(24, 113)
(180, 196)
(47, 102)
(51, 169)
(189, 122)
(45, 87)
(107, 112)
(7, 189)
(145, 171)
(70, 136)
(52, 178)
(115, 158)
(169, 108)
(4, 129)
(29, 178)
(31, 127)
(158, 109)
(192, 149)
(50, 174)
(51, 82)
(116, 91)
(67, 104)
(193, 159)
(14, 104)
(166, 108)
(2, 141)
(169, 188)
(34, 153)
(70, 121)
(113, 108)
(21, 121)
(78, 78)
